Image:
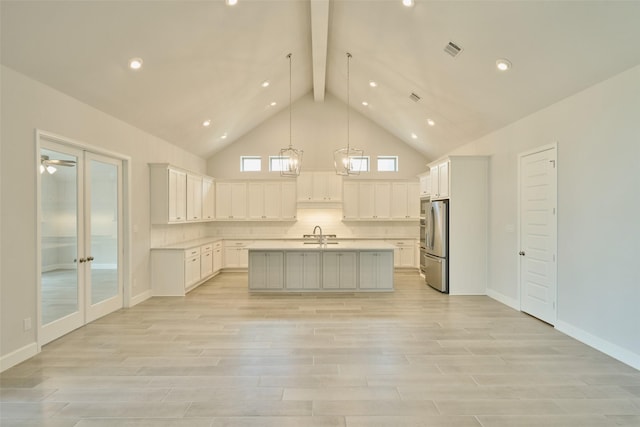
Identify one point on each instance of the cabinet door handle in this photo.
(90, 258)
(81, 260)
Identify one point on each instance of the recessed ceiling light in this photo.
(223, 136)
(265, 83)
(372, 83)
(503, 64)
(206, 123)
(135, 63)
(365, 103)
(430, 122)
(231, 2)
(273, 104)
(408, 3)
(414, 136)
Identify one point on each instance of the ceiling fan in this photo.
(49, 164)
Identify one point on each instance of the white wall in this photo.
(598, 136)
(27, 105)
(319, 128)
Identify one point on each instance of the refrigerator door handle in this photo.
(433, 228)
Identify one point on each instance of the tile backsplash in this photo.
(329, 219)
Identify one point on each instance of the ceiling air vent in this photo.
(453, 49)
(414, 97)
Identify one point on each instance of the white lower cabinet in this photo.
(175, 271)
(376, 270)
(191, 271)
(339, 270)
(266, 270)
(302, 270)
(404, 254)
(217, 256)
(236, 254)
(206, 261)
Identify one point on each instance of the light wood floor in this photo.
(223, 357)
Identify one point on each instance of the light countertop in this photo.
(332, 246)
(274, 243)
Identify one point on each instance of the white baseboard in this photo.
(141, 297)
(610, 349)
(508, 301)
(18, 356)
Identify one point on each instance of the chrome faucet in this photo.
(314, 233)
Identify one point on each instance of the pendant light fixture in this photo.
(348, 160)
(290, 158)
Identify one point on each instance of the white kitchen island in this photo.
(311, 267)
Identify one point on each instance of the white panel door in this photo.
(537, 234)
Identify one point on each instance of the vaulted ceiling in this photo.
(207, 60)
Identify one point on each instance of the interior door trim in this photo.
(127, 242)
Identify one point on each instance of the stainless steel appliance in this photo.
(423, 233)
(435, 258)
(424, 206)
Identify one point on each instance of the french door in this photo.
(80, 236)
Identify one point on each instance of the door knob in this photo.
(521, 253)
(82, 260)
(90, 258)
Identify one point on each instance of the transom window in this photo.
(276, 163)
(359, 163)
(387, 163)
(250, 163)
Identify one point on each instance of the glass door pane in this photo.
(103, 235)
(61, 293)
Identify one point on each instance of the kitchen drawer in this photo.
(206, 248)
(191, 252)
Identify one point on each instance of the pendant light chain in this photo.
(289, 56)
(290, 158)
(348, 98)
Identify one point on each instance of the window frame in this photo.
(366, 160)
(242, 164)
(278, 160)
(394, 158)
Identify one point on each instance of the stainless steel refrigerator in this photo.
(437, 245)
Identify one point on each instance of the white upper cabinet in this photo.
(381, 200)
(374, 200)
(231, 200)
(178, 196)
(288, 207)
(425, 184)
(208, 199)
(319, 187)
(350, 200)
(263, 200)
(439, 173)
(194, 197)
(405, 200)
(168, 194)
